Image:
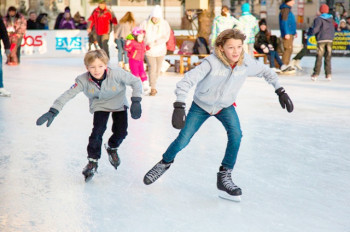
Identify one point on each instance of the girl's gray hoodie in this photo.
(109, 97)
(218, 85)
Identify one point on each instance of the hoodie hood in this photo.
(284, 6)
(157, 12)
(326, 16)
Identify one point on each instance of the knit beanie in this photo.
(245, 7)
(285, 1)
(157, 12)
(262, 22)
(324, 9)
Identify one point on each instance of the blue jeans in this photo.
(121, 45)
(1, 83)
(272, 56)
(195, 118)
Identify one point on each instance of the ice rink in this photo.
(293, 168)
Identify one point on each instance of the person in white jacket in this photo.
(157, 34)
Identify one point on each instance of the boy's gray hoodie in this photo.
(218, 85)
(109, 97)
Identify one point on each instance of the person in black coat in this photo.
(5, 39)
(31, 22)
(263, 44)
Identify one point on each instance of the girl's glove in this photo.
(135, 108)
(284, 99)
(49, 117)
(179, 115)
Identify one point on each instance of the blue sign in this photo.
(68, 43)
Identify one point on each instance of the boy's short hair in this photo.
(91, 56)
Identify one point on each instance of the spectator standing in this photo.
(59, 17)
(288, 29)
(249, 27)
(31, 22)
(42, 22)
(223, 22)
(323, 29)
(5, 39)
(189, 21)
(16, 26)
(67, 21)
(82, 25)
(157, 34)
(124, 28)
(101, 18)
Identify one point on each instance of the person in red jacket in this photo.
(101, 18)
(136, 48)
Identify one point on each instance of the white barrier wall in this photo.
(58, 43)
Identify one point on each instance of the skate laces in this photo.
(227, 180)
(156, 171)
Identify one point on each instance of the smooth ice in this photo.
(293, 168)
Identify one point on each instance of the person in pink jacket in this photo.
(136, 48)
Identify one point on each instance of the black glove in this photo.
(179, 115)
(49, 117)
(284, 99)
(135, 108)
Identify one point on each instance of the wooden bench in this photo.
(187, 58)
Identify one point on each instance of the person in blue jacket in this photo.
(288, 28)
(324, 31)
(218, 80)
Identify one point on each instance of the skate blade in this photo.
(88, 178)
(227, 196)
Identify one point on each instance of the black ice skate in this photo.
(113, 156)
(156, 172)
(227, 189)
(90, 169)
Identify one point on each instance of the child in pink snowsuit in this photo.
(136, 49)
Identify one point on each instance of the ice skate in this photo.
(329, 77)
(287, 70)
(314, 77)
(113, 156)
(156, 172)
(4, 93)
(227, 189)
(146, 88)
(90, 169)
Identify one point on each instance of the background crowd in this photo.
(158, 38)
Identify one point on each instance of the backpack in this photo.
(201, 46)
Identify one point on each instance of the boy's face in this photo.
(97, 68)
(232, 49)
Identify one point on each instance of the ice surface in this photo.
(294, 169)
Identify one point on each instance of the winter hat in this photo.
(262, 22)
(137, 31)
(157, 12)
(285, 1)
(324, 9)
(245, 7)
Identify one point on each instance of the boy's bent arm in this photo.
(258, 69)
(190, 79)
(131, 80)
(76, 88)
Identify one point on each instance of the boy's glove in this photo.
(179, 115)
(135, 108)
(284, 99)
(49, 117)
(7, 52)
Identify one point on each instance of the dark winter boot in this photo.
(113, 156)
(90, 169)
(156, 172)
(228, 189)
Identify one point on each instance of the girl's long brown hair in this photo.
(128, 18)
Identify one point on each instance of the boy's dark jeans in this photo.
(323, 49)
(119, 129)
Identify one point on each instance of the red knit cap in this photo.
(324, 8)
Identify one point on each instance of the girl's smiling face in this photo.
(232, 50)
(97, 68)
